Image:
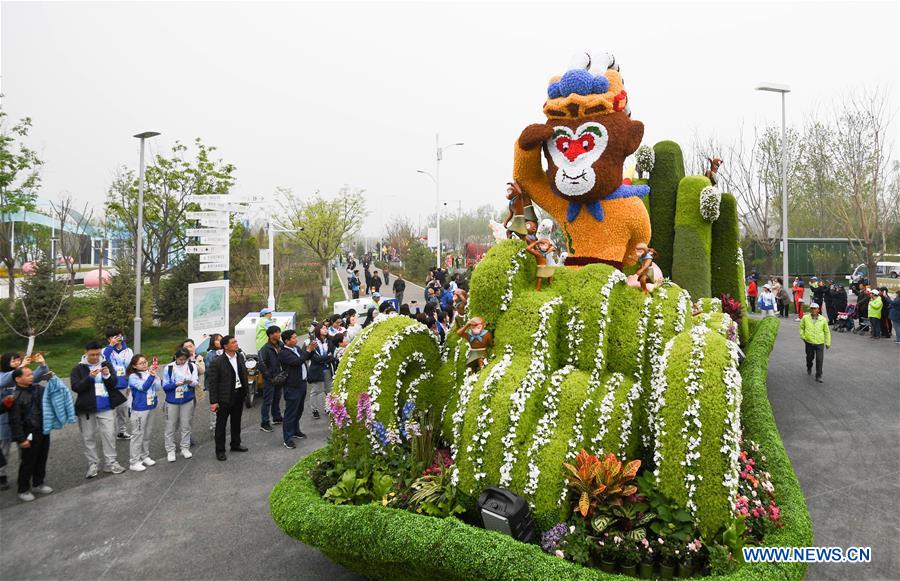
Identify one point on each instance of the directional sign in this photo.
(252, 198)
(214, 267)
(199, 249)
(208, 232)
(216, 206)
(214, 257)
(214, 222)
(202, 215)
(205, 198)
(215, 240)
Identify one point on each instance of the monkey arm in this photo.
(640, 230)
(529, 172)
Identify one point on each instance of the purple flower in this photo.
(337, 411)
(364, 409)
(551, 539)
(408, 408)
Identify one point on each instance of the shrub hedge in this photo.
(693, 239)
(664, 179)
(385, 543)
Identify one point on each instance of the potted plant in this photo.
(607, 550)
(687, 564)
(648, 559)
(668, 558)
(629, 557)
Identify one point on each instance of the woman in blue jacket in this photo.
(179, 382)
(144, 383)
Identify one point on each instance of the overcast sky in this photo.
(312, 96)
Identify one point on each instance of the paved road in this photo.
(413, 291)
(843, 437)
(192, 519)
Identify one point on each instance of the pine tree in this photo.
(116, 305)
(44, 307)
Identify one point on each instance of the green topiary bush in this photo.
(386, 543)
(693, 239)
(695, 420)
(393, 360)
(664, 179)
(727, 263)
(505, 271)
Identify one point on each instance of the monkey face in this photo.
(585, 155)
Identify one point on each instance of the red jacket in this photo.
(751, 289)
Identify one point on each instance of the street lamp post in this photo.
(784, 90)
(436, 178)
(139, 244)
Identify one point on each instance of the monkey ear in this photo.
(635, 135)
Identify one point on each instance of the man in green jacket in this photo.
(815, 333)
(264, 322)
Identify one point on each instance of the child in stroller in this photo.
(844, 320)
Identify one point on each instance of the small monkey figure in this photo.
(711, 173)
(541, 249)
(649, 274)
(479, 340)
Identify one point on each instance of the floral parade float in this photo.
(633, 422)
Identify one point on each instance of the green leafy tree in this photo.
(173, 305)
(116, 305)
(323, 226)
(168, 183)
(19, 181)
(420, 259)
(43, 307)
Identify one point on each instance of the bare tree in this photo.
(752, 172)
(73, 228)
(400, 234)
(865, 205)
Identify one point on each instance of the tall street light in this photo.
(139, 244)
(437, 188)
(784, 90)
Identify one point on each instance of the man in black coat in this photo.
(399, 289)
(293, 360)
(227, 389)
(94, 382)
(269, 368)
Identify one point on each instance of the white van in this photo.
(882, 269)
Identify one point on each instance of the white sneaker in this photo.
(42, 489)
(114, 468)
(186, 453)
(148, 461)
(170, 456)
(26, 496)
(91, 471)
(137, 467)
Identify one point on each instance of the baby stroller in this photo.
(844, 321)
(863, 327)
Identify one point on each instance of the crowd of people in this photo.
(875, 313)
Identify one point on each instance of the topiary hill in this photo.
(574, 366)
